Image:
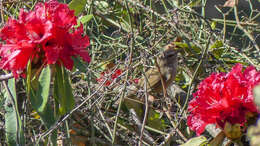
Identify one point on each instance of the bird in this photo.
(157, 78)
(165, 70)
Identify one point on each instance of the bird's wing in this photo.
(154, 79)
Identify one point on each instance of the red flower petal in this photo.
(110, 79)
(116, 74)
(17, 59)
(60, 14)
(49, 33)
(196, 123)
(223, 97)
(79, 44)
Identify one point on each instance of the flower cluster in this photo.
(224, 97)
(109, 80)
(46, 35)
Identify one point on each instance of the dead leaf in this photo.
(151, 98)
(230, 3)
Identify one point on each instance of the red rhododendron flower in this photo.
(223, 97)
(46, 34)
(104, 75)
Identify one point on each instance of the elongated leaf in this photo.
(63, 91)
(187, 47)
(78, 6)
(28, 77)
(42, 90)
(84, 19)
(13, 124)
(196, 141)
(218, 140)
(39, 95)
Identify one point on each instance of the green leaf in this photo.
(13, 124)
(39, 94)
(196, 141)
(28, 77)
(42, 92)
(213, 25)
(84, 19)
(188, 47)
(218, 53)
(216, 45)
(257, 95)
(195, 3)
(78, 6)
(63, 91)
(155, 121)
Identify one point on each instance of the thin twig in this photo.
(244, 30)
(244, 56)
(150, 139)
(167, 112)
(145, 112)
(6, 77)
(104, 120)
(59, 122)
(127, 74)
(1, 10)
(173, 124)
(146, 134)
(174, 25)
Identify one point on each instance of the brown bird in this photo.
(165, 70)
